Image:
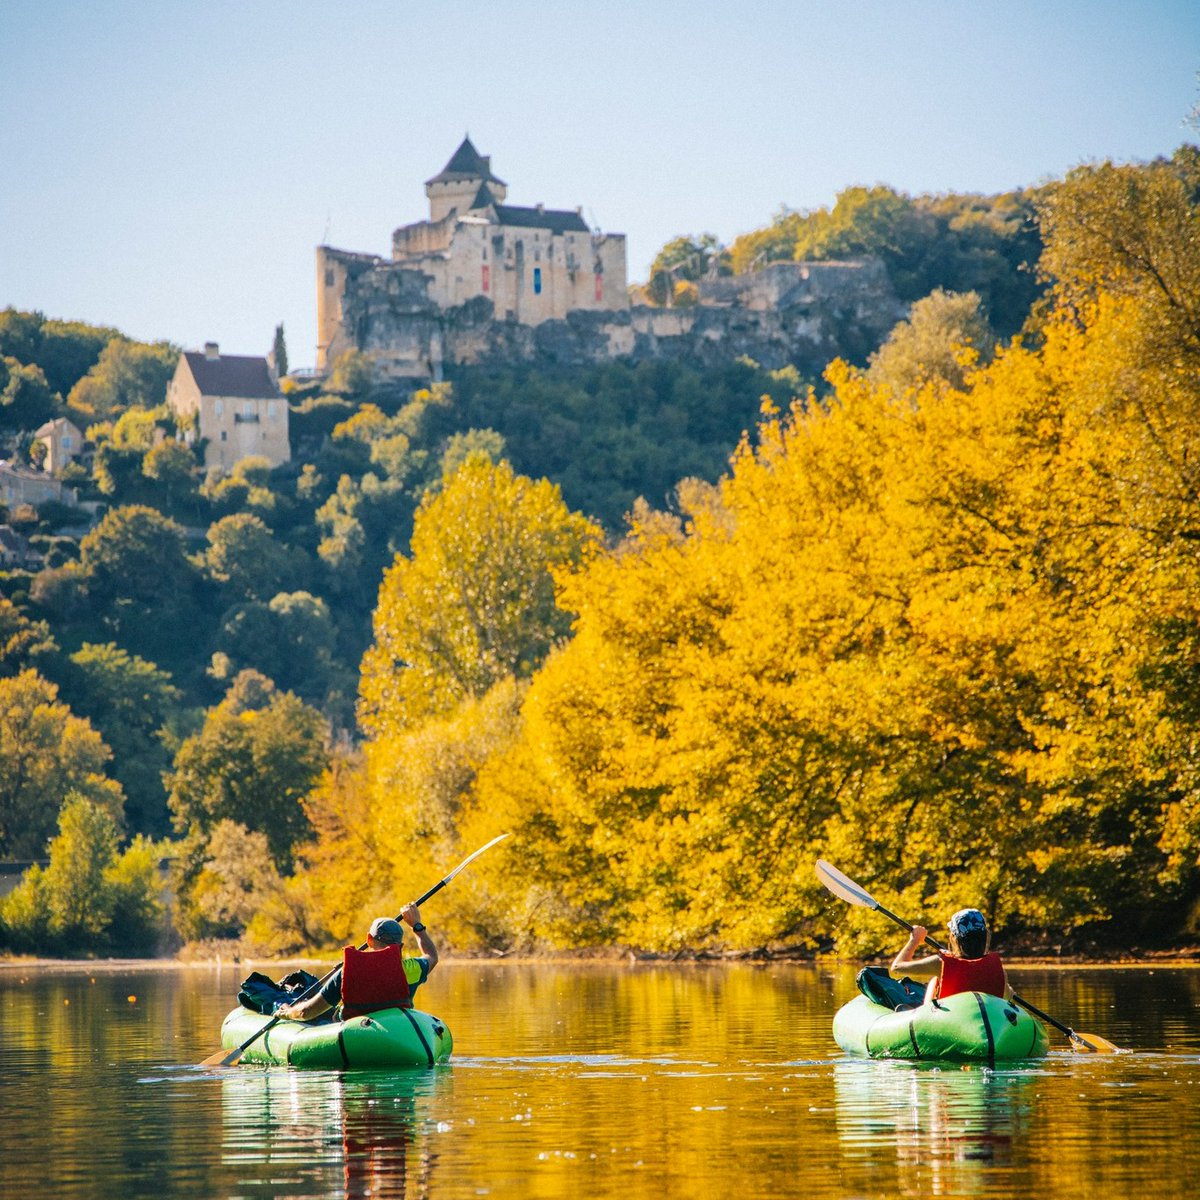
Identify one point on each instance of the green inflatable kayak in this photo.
(968, 1027)
(393, 1037)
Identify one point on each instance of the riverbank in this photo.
(1182, 956)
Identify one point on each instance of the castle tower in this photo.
(458, 182)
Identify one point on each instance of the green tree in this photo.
(26, 400)
(134, 428)
(260, 751)
(136, 554)
(291, 640)
(945, 336)
(133, 704)
(245, 557)
(126, 375)
(141, 587)
(351, 374)
(279, 350)
(685, 259)
(65, 350)
(475, 602)
(761, 247)
(172, 465)
(23, 642)
(46, 754)
(462, 446)
(223, 880)
(89, 898)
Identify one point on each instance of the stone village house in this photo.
(238, 407)
(63, 440)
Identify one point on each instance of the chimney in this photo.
(212, 351)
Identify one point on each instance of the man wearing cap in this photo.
(376, 978)
(966, 967)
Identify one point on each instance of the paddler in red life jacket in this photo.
(376, 978)
(966, 967)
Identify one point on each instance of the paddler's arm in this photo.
(904, 961)
(411, 916)
(314, 1006)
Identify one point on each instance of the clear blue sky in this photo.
(168, 166)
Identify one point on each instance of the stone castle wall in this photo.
(798, 313)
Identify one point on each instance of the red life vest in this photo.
(984, 974)
(373, 979)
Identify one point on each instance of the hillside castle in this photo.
(484, 281)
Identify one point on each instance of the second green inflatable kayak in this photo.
(971, 1026)
(393, 1037)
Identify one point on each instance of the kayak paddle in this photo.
(846, 889)
(228, 1058)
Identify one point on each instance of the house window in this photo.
(219, 407)
(66, 442)
(486, 278)
(270, 412)
(537, 281)
(224, 436)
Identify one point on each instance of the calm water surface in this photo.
(592, 1081)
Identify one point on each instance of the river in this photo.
(608, 1080)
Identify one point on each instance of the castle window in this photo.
(486, 280)
(329, 277)
(537, 280)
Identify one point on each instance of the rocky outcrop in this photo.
(790, 313)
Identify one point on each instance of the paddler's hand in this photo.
(411, 915)
(917, 938)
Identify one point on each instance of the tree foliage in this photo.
(260, 751)
(134, 705)
(943, 633)
(474, 603)
(46, 754)
(126, 375)
(91, 898)
(957, 242)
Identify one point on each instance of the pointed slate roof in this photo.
(483, 198)
(467, 163)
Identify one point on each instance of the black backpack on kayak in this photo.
(877, 984)
(263, 995)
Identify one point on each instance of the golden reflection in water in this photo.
(951, 1129)
(302, 1126)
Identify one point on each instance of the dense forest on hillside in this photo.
(989, 245)
(680, 631)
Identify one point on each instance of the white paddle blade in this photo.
(842, 887)
(472, 857)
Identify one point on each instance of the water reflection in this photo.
(291, 1132)
(952, 1131)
